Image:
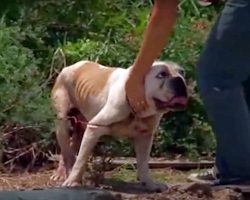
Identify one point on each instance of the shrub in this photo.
(23, 99)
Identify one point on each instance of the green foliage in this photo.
(103, 52)
(38, 38)
(23, 100)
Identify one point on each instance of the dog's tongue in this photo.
(178, 101)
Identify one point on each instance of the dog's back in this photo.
(85, 85)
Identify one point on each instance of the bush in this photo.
(107, 53)
(23, 98)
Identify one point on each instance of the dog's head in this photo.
(165, 87)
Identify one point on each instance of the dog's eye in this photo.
(162, 74)
(181, 72)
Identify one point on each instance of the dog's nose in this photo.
(179, 87)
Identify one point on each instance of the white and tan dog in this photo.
(93, 93)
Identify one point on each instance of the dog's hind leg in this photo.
(62, 105)
(79, 124)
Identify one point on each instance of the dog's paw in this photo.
(58, 175)
(71, 182)
(155, 187)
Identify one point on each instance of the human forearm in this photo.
(156, 36)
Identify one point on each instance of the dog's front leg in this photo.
(142, 145)
(108, 115)
(89, 140)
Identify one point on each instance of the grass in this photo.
(166, 175)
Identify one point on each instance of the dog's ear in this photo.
(179, 69)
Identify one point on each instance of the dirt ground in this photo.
(127, 188)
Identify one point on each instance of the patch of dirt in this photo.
(22, 181)
(178, 193)
(129, 190)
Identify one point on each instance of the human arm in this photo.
(156, 36)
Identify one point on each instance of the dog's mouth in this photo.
(175, 103)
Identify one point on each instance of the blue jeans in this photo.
(223, 81)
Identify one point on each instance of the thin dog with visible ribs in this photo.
(90, 101)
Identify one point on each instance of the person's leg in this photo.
(223, 67)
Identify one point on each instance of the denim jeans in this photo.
(223, 75)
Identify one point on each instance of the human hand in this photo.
(135, 92)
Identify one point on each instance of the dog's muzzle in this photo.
(178, 86)
(180, 97)
(175, 103)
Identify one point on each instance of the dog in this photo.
(95, 95)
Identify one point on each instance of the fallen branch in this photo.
(16, 129)
(163, 163)
(155, 163)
